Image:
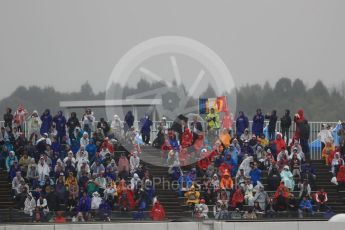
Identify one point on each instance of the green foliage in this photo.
(319, 103)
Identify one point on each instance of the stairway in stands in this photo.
(5, 191)
(168, 197)
(336, 199)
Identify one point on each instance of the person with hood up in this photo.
(225, 138)
(187, 138)
(237, 199)
(285, 124)
(287, 178)
(302, 130)
(258, 123)
(272, 124)
(72, 123)
(10, 160)
(145, 130)
(19, 117)
(260, 197)
(245, 165)
(341, 178)
(328, 153)
(201, 210)
(32, 174)
(242, 123)
(135, 182)
(117, 127)
(134, 162)
(192, 196)
(60, 123)
(212, 120)
(129, 120)
(95, 201)
(8, 118)
(280, 143)
(246, 136)
(104, 126)
(157, 212)
(325, 135)
(123, 166)
(84, 141)
(47, 121)
(337, 162)
(220, 211)
(34, 125)
(215, 183)
(84, 206)
(88, 121)
(226, 181)
(29, 205)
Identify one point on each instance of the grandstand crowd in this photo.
(78, 168)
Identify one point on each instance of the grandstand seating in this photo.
(174, 206)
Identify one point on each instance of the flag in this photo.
(203, 103)
(222, 104)
(218, 103)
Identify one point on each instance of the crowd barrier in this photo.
(185, 226)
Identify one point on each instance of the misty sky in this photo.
(64, 43)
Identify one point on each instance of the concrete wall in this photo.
(185, 226)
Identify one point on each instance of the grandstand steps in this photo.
(6, 200)
(336, 199)
(168, 197)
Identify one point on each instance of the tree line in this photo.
(319, 102)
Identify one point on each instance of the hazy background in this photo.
(65, 43)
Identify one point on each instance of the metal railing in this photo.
(315, 127)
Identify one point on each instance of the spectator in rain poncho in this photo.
(29, 204)
(84, 141)
(123, 166)
(258, 123)
(245, 165)
(129, 120)
(88, 121)
(117, 127)
(47, 121)
(34, 125)
(336, 163)
(246, 135)
(19, 117)
(10, 160)
(145, 130)
(135, 181)
(242, 123)
(72, 123)
(287, 178)
(157, 212)
(260, 197)
(325, 135)
(32, 174)
(95, 201)
(81, 155)
(134, 162)
(60, 122)
(201, 210)
(43, 169)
